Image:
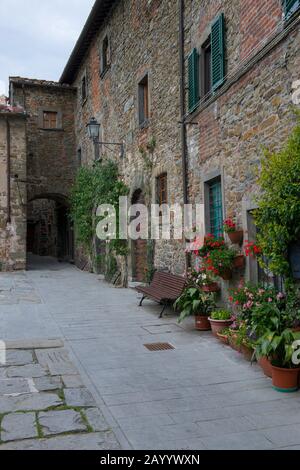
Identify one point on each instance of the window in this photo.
(83, 89)
(50, 120)
(104, 55)
(215, 207)
(144, 101)
(211, 65)
(206, 83)
(162, 189)
(290, 7)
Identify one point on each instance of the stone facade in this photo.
(51, 163)
(252, 110)
(143, 39)
(13, 202)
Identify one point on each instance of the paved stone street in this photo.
(78, 374)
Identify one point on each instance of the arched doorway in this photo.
(139, 247)
(49, 228)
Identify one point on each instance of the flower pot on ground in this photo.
(202, 323)
(279, 347)
(266, 366)
(220, 320)
(195, 302)
(233, 341)
(239, 262)
(247, 352)
(285, 380)
(224, 336)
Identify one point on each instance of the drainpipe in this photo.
(8, 141)
(182, 110)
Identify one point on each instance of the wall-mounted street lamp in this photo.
(93, 128)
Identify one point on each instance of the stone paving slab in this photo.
(35, 403)
(92, 441)
(61, 422)
(17, 426)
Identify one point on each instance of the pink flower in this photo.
(270, 300)
(280, 296)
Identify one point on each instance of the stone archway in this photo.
(138, 247)
(49, 228)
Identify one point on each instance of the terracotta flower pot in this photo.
(202, 323)
(285, 380)
(236, 237)
(266, 366)
(239, 262)
(247, 352)
(223, 338)
(226, 274)
(213, 287)
(218, 326)
(233, 342)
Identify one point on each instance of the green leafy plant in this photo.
(94, 186)
(278, 216)
(278, 347)
(194, 302)
(221, 315)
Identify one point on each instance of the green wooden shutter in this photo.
(193, 63)
(290, 6)
(216, 208)
(218, 52)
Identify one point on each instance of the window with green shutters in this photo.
(215, 207)
(193, 63)
(290, 6)
(218, 52)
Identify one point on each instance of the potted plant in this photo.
(244, 341)
(239, 261)
(202, 279)
(220, 320)
(220, 262)
(194, 302)
(235, 236)
(252, 250)
(224, 336)
(210, 244)
(279, 347)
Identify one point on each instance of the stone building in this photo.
(193, 90)
(12, 194)
(126, 69)
(243, 59)
(50, 161)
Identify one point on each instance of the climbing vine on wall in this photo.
(278, 216)
(94, 186)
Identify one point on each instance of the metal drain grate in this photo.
(159, 347)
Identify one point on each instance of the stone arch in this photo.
(49, 228)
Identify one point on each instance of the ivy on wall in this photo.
(278, 216)
(94, 186)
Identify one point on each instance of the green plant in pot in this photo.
(195, 302)
(220, 320)
(279, 347)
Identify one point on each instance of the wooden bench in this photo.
(164, 289)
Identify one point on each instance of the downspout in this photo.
(8, 144)
(182, 110)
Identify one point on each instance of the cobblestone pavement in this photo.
(44, 403)
(200, 395)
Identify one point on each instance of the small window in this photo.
(206, 69)
(162, 189)
(50, 120)
(215, 201)
(144, 101)
(105, 55)
(83, 89)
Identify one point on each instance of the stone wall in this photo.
(52, 159)
(143, 38)
(251, 112)
(13, 232)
